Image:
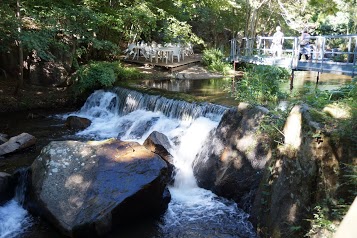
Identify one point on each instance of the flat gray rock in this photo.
(16, 143)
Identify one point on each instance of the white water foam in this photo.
(193, 211)
(14, 220)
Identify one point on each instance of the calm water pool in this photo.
(219, 90)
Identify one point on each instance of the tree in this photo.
(20, 48)
(253, 7)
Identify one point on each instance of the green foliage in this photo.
(314, 97)
(343, 130)
(140, 21)
(211, 55)
(179, 32)
(347, 128)
(272, 125)
(351, 179)
(320, 222)
(340, 58)
(318, 99)
(39, 42)
(97, 75)
(128, 73)
(213, 59)
(8, 27)
(261, 85)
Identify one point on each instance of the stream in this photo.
(132, 116)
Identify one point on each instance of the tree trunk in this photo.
(250, 30)
(246, 29)
(20, 75)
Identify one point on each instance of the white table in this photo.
(137, 50)
(165, 51)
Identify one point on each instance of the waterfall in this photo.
(124, 101)
(112, 113)
(21, 188)
(132, 116)
(14, 219)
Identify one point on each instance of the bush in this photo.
(348, 128)
(261, 85)
(97, 75)
(213, 59)
(126, 73)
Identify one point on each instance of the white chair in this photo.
(188, 49)
(130, 51)
(145, 51)
(176, 52)
(155, 53)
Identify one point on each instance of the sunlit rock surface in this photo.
(85, 188)
(159, 144)
(292, 128)
(231, 162)
(337, 111)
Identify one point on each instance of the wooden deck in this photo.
(170, 66)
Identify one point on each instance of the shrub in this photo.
(347, 128)
(126, 73)
(97, 75)
(213, 59)
(261, 85)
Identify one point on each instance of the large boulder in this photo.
(16, 143)
(47, 73)
(7, 187)
(233, 157)
(306, 169)
(84, 188)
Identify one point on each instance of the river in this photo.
(132, 116)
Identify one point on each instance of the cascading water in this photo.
(132, 116)
(14, 219)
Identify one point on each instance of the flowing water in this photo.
(14, 219)
(129, 115)
(132, 116)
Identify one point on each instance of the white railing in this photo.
(326, 49)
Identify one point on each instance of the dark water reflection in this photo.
(219, 91)
(209, 90)
(38, 124)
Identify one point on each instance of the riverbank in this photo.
(33, 97)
